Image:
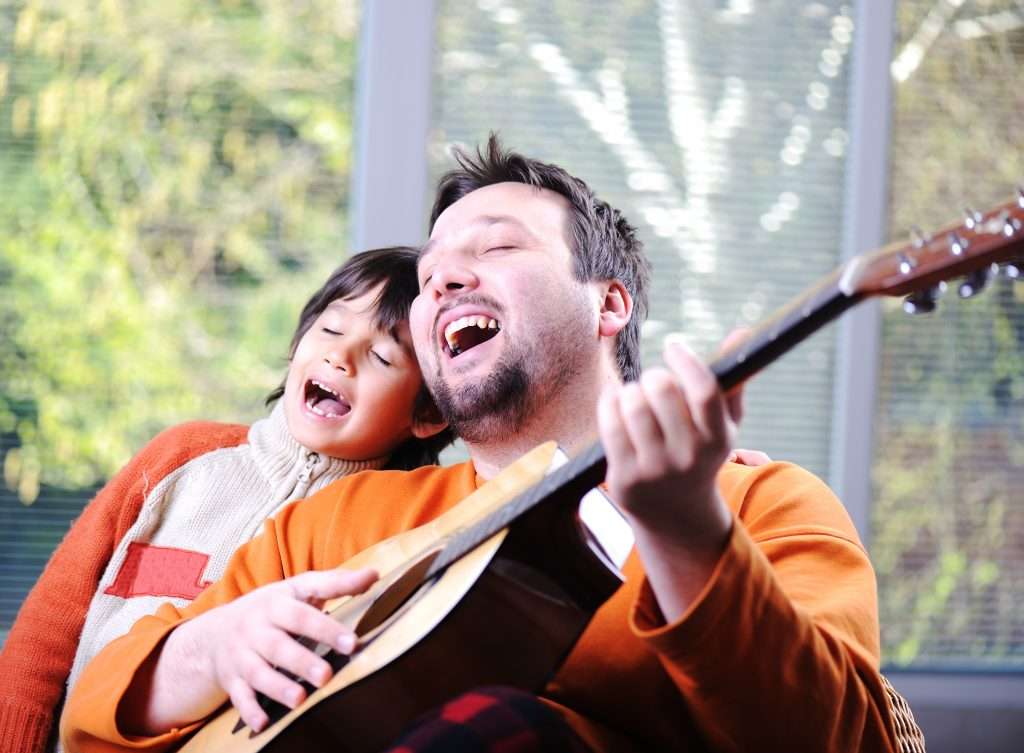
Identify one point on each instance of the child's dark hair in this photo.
(395, 267)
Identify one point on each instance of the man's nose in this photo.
(452, 277)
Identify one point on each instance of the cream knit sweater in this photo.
(208, 506)
(160, 531)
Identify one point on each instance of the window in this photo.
(175, 183)
(720, 128)
(948, 523)
(732, 169)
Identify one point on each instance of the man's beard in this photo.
(503, 402)
(488, 408)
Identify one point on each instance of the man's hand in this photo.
(232, 651)
(666, 437)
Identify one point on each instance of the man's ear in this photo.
(616, 308)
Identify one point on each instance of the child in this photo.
(166, 525)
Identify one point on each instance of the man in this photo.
(748, 618)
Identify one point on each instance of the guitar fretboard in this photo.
(778, 334)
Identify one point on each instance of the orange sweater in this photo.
(779, 652)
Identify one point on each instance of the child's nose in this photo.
(339, 358)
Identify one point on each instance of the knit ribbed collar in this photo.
(281, 459)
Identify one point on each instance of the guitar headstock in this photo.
(972, 249)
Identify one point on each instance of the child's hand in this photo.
(748, 457)
(239, 649)
(254, 637)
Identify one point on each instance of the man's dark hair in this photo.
(395, 268)
(604, 245)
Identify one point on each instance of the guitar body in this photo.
(506, 613)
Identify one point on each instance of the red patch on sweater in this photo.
(160, 571)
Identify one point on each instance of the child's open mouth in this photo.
(325, 401)
(468, 332)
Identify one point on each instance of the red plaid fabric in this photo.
(490, 720)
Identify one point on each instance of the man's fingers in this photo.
(707, 409)
(642, 427)
(616, 442)
(670, 409)
(734, 398)
(735, 338)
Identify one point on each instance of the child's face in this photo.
(350, 387)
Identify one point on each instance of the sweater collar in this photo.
(282, 459)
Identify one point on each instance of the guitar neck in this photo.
(778, 334)
(782, 331)
(973, 247)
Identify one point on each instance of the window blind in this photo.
(717, 127)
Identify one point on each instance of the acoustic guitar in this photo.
(516, 551)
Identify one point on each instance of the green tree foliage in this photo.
(949, 524)
(175, 181)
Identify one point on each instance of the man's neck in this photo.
(571, 421)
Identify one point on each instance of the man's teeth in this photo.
(452, 330)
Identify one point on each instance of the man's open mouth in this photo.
(467, 332)
(324, 400)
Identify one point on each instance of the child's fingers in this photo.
(327, 584)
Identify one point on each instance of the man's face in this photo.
(501, 324)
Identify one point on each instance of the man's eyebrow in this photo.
(484, 221)
(426, 249)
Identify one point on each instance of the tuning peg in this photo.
(957, 245)
(1013, 271)
(918, 237)
(1020, 195)
(971, 218)
(922, 301)
(975, 282)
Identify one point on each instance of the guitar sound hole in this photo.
(395, 596)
